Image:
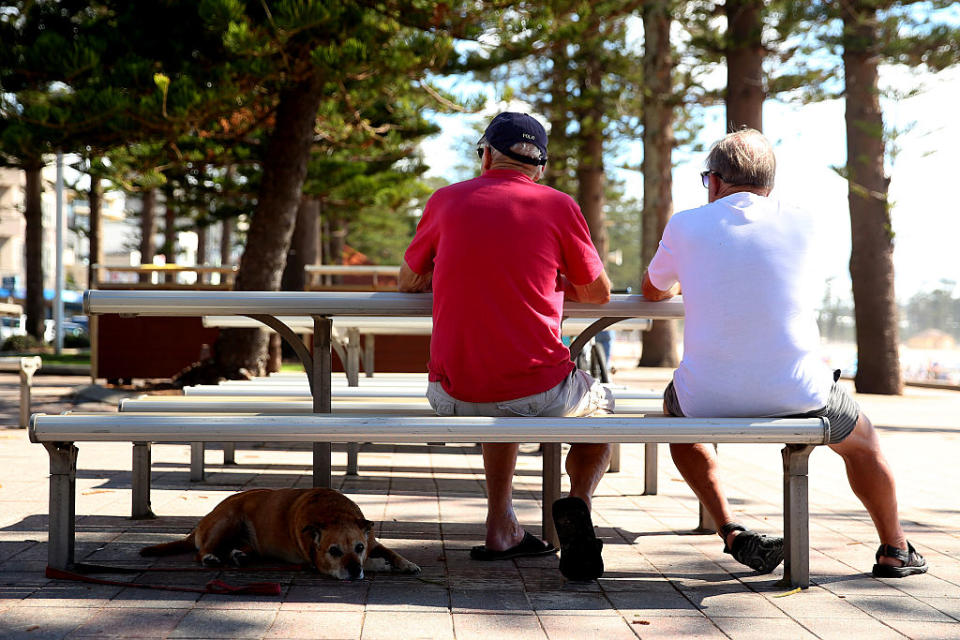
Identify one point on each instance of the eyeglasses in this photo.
(705, 177)
(481, 145)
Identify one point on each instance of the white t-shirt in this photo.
(748, 268)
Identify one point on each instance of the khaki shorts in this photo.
(577, 395)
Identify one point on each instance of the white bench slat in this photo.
(128, 427)
(240, 405)
(283, 391)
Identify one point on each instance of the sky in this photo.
(809, 140)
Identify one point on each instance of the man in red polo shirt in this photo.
(501, 253)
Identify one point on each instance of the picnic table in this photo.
(268, 307)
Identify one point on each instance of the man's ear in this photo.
(487, 159)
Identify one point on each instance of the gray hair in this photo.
(743, 158)
(522, 148)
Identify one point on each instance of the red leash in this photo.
(214, 586)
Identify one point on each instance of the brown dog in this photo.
(319, 527)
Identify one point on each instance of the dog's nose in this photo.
(355, 570)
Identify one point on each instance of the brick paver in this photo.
(661, 581)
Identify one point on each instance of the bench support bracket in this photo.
(63, 506)
(796, 523)
(551, 452)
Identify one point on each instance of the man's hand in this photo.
(410, 281)
(653, 294)
(597, 292)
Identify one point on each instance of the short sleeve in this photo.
(423, 248)
(581, 263)
(663, 268)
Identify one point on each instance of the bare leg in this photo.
(499, 463)
(586, 464)
(872, 481)
(697, 463)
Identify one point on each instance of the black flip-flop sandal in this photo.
(913, 562)
(760, 552)
(580, 549)
(528, 547)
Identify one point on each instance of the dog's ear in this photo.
(365, 525)
(315, 531)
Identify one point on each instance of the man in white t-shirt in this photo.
(747, 265)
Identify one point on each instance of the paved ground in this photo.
(661, 581)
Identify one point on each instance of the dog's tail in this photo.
(183, 545)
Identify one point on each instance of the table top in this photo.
(388, 325)
(327, 303)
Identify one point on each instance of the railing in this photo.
(158, 280)
(363, 277)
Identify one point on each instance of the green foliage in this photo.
(22, 344)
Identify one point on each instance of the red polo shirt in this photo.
(497, 245)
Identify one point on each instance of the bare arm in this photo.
(650, 292)
(597, 292)
(410, 281)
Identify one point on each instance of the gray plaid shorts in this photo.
(841, 410)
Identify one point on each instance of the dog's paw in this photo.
(210, 560)
(405, 566)
(239, 558)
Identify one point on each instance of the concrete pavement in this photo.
(660, 582)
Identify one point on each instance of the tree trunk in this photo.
(745, 54)
(169, 233)
(147, 228)
(35, 308)
(202, 240)
(557, 111)
(660, 343)
(590, 171)
(337, 238)
(226, 242)
(284, 170)
(96, 249)
(202, 250)
(871, 258)
(303, 245)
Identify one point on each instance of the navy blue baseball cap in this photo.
(509, 128)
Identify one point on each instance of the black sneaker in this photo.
(760, 552)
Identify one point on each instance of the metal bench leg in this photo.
(321, 387)
(29, 365)
(650, 469)
(352, 365)
(63, 506)
(551, 489)
(229, 453)
(196, 461)
(614, 458)
(140, 482)
(368, 355)
(353, 453)
(796, 516)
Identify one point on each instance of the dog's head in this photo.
(338, 549)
